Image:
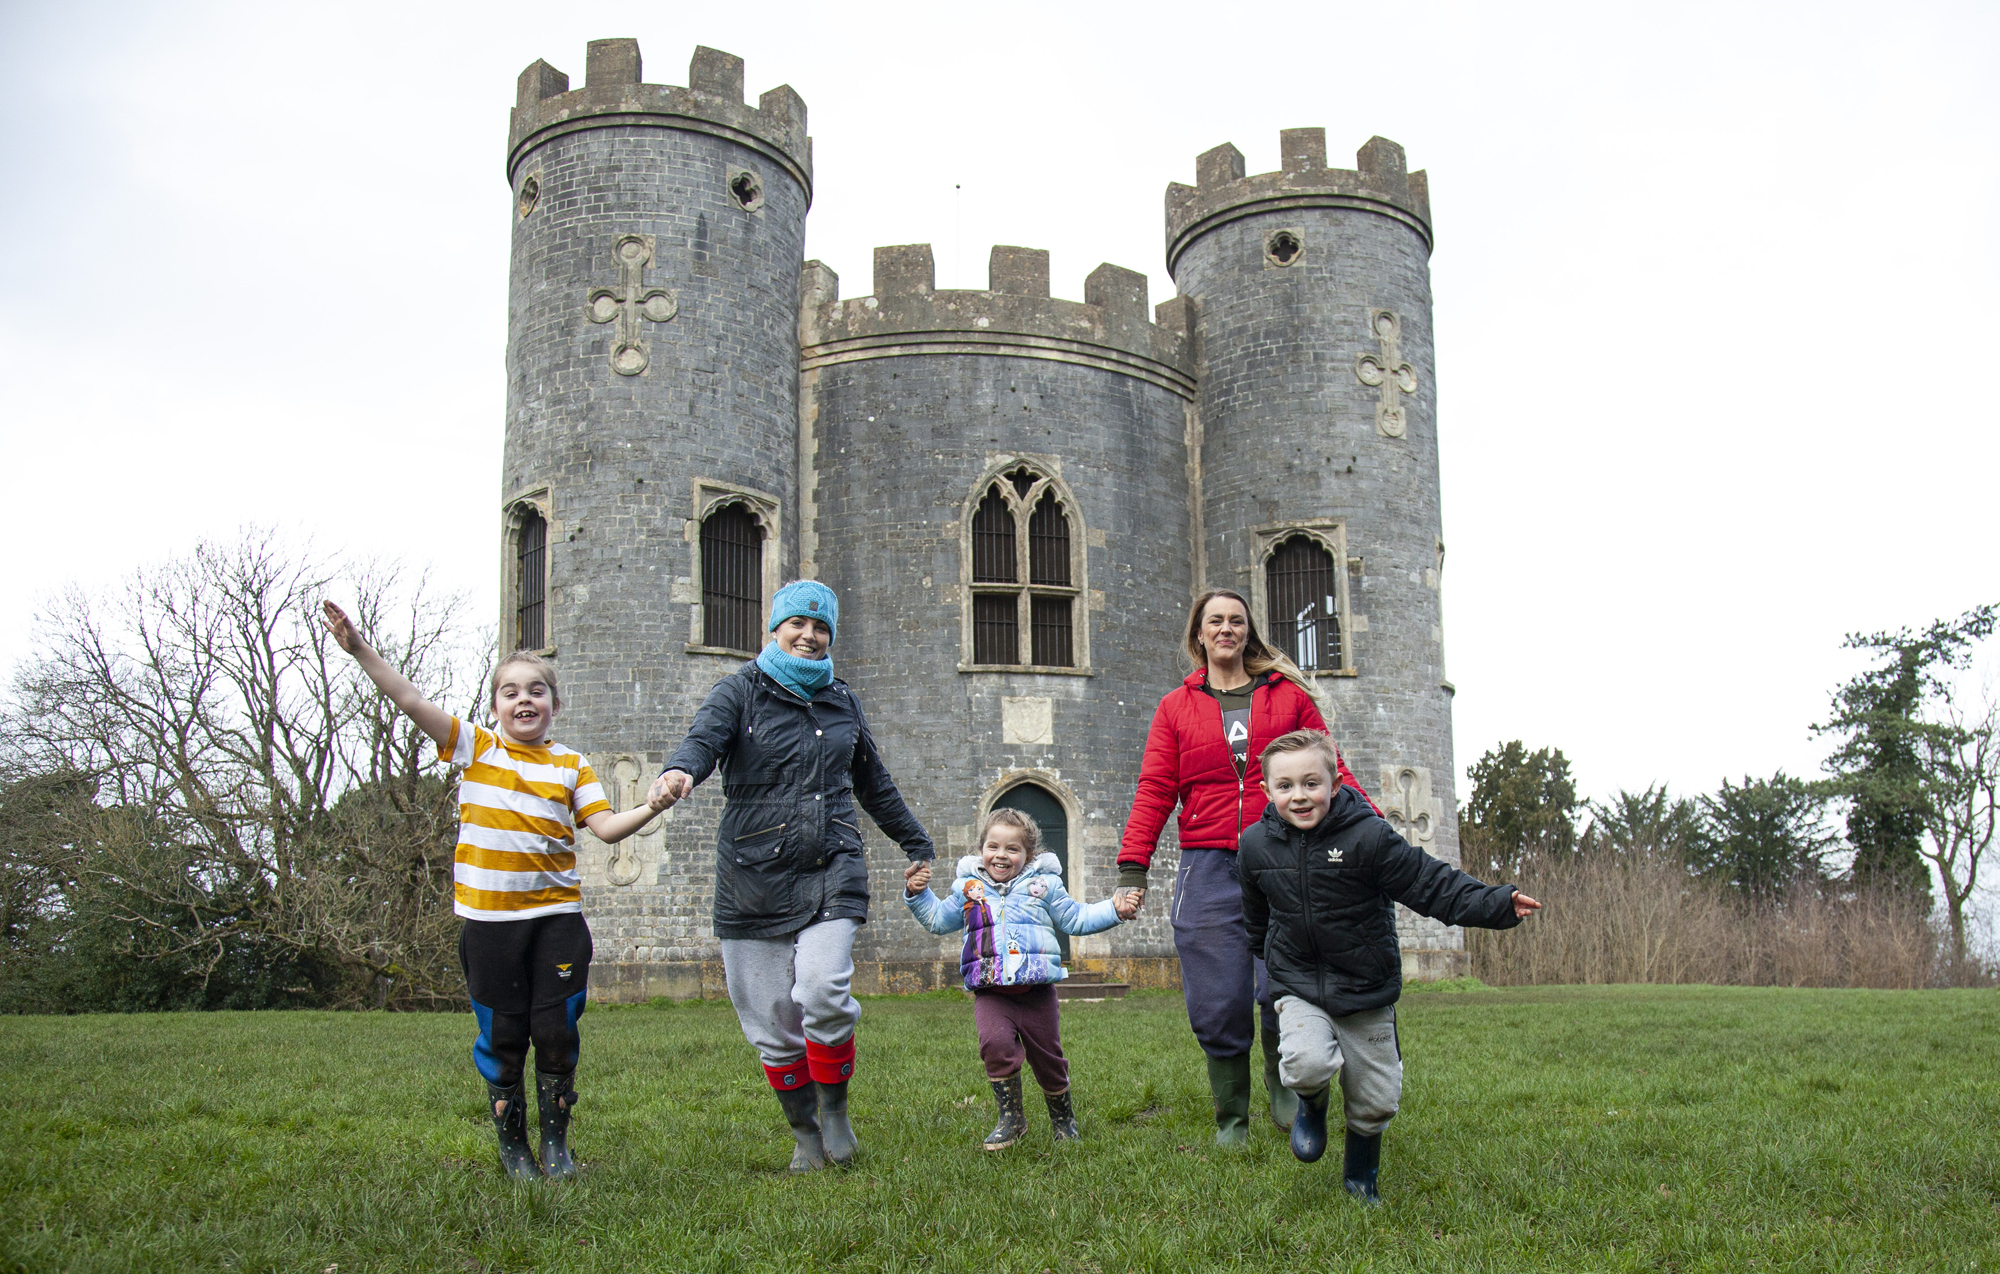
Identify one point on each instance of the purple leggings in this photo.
(1025, 1025)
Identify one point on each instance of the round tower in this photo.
(651, 436)
(997, 486)
(1318, 480)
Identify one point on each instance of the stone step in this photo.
(1090, 986)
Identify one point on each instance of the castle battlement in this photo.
(614, 94)
(1014, 316)
(1380, 182)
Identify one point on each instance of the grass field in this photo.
(1621, 1128)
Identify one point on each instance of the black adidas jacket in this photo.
(1319, 903)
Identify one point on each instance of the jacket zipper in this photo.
(762, 832)
(1306, 908)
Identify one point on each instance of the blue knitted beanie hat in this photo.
(809, 598)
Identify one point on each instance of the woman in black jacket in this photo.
(791, 881)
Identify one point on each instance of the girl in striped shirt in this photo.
(525, 947)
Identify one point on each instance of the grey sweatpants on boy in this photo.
(1314, 1046)
(794, 988)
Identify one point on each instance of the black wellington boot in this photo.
(1364, 1161)
(802, 1113)
(834, 1129)
(1309, 1127)
(1013, 1119)
(1284, 1102)
(1062, 1116)
(556, 1095)
(510, 1121)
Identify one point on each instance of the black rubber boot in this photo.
(1284, 1102)
(1364, 1161)
(1229, 1085)
(802, 1113)
(834, 1129)
(1013, 1123)
(510, 1121)
(1062, 1116)
(1309, 1129)
(556, 1094)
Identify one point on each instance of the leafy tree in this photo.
(1880, 763)
(1767, 833)
(1523, 808)
(1648, 823)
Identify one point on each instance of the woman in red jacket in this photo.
(1202, 754)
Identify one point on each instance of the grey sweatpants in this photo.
(1314, 1046)
(792, 989)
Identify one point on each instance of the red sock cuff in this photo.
(831, 1063)
(785, 1078)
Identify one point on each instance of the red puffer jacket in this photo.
(1188, 762)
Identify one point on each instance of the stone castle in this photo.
(1015, 496)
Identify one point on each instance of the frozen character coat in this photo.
(1010, 935)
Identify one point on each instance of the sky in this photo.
(1714, 292)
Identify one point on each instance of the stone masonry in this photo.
(670, 353)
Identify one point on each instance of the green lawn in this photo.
(1677, 1128)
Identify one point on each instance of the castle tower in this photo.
(997, 487)
(1318, 475)
(652, 399)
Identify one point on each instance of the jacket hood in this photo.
(1349, 807)
(1042, 864)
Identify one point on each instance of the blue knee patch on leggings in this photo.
(574, 1005)
(482, 1048)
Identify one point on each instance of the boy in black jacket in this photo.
(1321, 872)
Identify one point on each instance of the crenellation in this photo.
(717, 73)
(1218, 167)
(1382, 165)
(540, 80)
(1019, 271)
(905, 270)
(610, 62)
(1302, 149)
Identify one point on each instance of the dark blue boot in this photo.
(557, 1097)
(1364, 1161)
(1309, 1126)
(509, 1108)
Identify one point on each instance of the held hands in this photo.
(917, 877)
(669, 789)
(1523, 905)
(1126, 902)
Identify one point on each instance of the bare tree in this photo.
(252, 791)
(1961, 782)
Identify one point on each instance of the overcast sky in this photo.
(1714, 291)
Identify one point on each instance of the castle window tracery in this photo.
(1301, 591)
(732, 577)
(531, 576)
(1024, 571)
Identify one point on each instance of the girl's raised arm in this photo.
(430, 718)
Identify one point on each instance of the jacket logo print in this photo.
(1335, 855)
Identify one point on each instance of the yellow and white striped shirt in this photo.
(518, 807)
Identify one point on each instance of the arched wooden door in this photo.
(1039, 804)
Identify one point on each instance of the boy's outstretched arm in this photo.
(1432, 887)
(431, 719)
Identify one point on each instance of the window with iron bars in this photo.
(531, 581)
(1302, 589)
(1024, 589)
(732, 578)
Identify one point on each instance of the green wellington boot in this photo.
(1229, 1084)
(1284, 1102)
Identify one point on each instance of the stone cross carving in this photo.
(629, 302)
(1407, 803)
(1388, 370)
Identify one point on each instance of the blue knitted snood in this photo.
(803, 677)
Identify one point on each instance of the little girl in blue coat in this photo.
(1010, 900)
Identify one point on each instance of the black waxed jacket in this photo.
(1319, 903)
(788, 852)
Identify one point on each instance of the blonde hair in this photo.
(1304, 741)
(1031, 833)
(542, 667)
(1258, 658)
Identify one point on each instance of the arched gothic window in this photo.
(732, 578)
(1303, 592)
(531, 579)
(1025, 575)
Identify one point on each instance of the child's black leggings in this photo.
(528, 980)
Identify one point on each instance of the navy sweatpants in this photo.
(1220, 980)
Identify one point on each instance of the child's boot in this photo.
(834, 1129)
(1062, 1116)
(1364, 1161)
(1284, 1102)
(1013, 1119)
(509, 1108)
(1229, 1085)
(802, 1113)
(556, 1095)
(1309, 1128)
